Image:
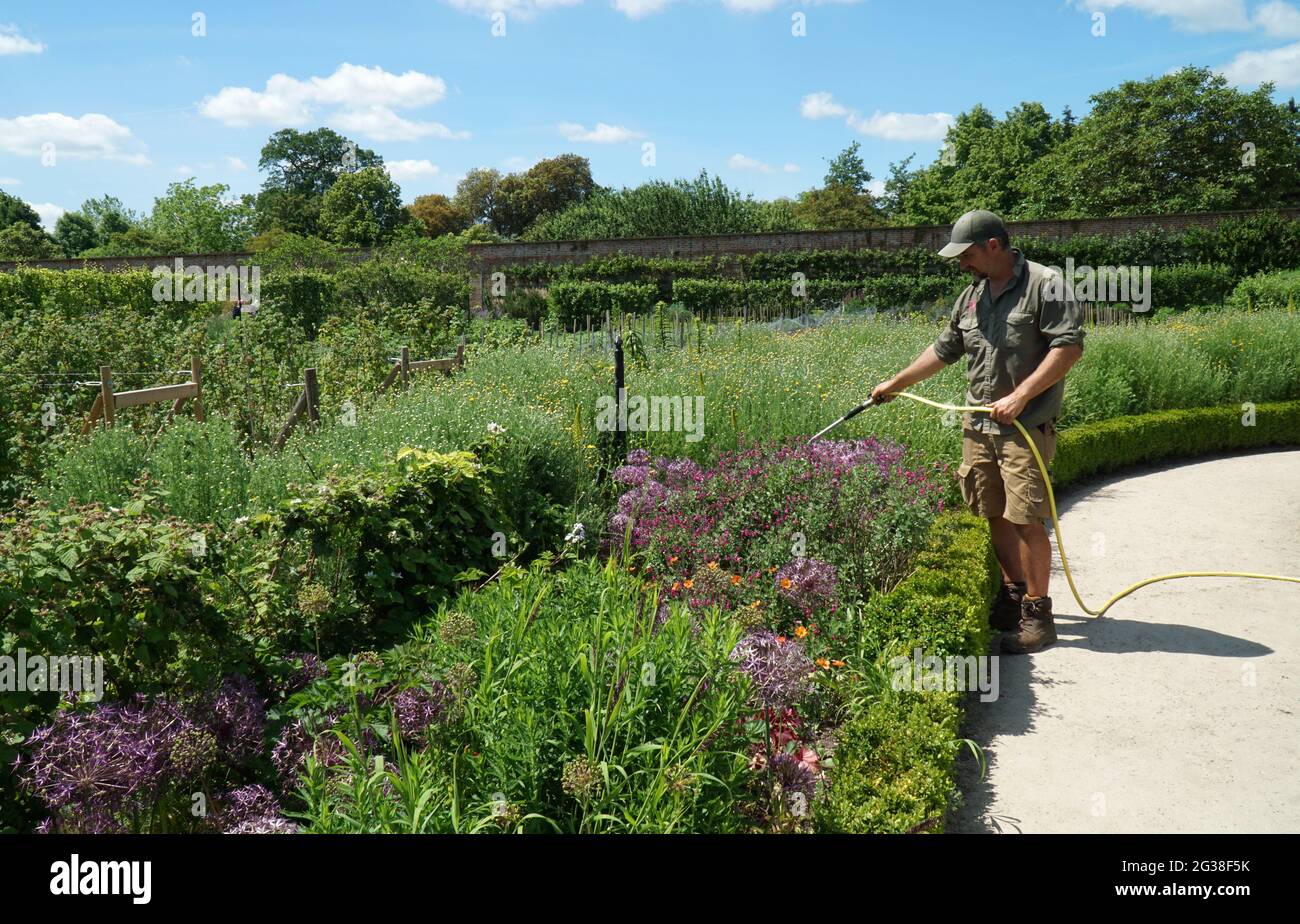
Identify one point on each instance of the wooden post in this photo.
(196, 376)
(299, 406)
(106, 392)
(460, 353)
(313, 394)
(406, 366)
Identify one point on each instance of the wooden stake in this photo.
(313, 393)
(406, 366)
(106, 393)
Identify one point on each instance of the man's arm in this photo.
(1050, 371)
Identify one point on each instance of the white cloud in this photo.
(186, 170)
(90, 136)
(1188, 15)
(601, 134)
(514, 9)
(410, 169)
(1278, 65)
(742, 162)
(365, 97)
(1278, 19)
(234, 163)
(383, 124)
(876, 188)
(903, 126)
(637, 9)
(791, 168)
(49, 213)
(11, 43)
(10, 181)
(821, 106)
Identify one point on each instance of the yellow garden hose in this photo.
(1056, 523)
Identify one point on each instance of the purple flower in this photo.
(417, 709)
(311, 669)
(270, 824)
(778, 670)
(237, 716)
(638, 457)
(296, 741)
(246, 804)
(793, 777)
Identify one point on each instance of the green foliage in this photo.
(14, 210)
(574, 711)
(389, 544)
(200, 219)
(20, 241)
(575, 301)
(1268, 290)
(1188, 284)
(362, 208)
(704, 205)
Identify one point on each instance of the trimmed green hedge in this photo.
(571, 301)
(894, 761)
(1108, 445)
(1188, 284)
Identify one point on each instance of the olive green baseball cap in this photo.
(975, 226)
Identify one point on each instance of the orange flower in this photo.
(771, 569)
(786, 583)
(838, 663)
(800, 631)
(780, 639)
(754, 605)
(688, 583)
(713, 566)
(677, 585)
(823, 663)
(673, 560)
(735, 579)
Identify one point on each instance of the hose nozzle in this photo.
(849, 416)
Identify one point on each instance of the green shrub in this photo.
(575, 301)
(1268, 290)
(305, 298)
(1185, 285)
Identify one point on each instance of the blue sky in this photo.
(131, 99)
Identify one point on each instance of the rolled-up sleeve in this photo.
(949, 346)
(1060, 318)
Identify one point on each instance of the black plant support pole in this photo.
(621, 434)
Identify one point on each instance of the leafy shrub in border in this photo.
(569, 301)
(1190, 284)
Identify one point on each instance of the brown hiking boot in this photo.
(1036, 631)
(1005, 614)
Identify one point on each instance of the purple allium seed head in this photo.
(245, 804)
(270, 824)
(638, 457)
(419, 708)
(311, 669)
(778, 670)
(793, 776)
(237, 716)
(812, 583)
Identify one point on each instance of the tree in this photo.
(438, 215)
(311, 162)
(1183, 142)
(848, 171)
(843, 202)
(200, 219)
(301, 167)
(134, 242)
(14, 210)
(109, 215)
(362, 208)
(20, 241)
(475, 191)
(75, 232)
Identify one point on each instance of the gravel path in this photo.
(1179, 710)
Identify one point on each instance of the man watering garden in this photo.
(1021, 334)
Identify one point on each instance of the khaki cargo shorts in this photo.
(999, 476)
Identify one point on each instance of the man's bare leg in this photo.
(1035, 557)
(1007, 546)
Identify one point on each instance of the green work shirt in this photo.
(1007, 337)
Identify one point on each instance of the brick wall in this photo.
(490, 257)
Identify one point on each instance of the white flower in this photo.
(577, 534)
(495, 427)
